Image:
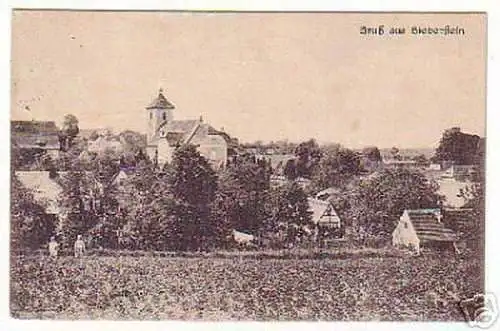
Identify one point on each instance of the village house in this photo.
(422, 228)
(165, 135)
(47, 187)
(460, 172)
(36, 136)
(327, 222)
(103, 144)
(277, 181)
(401, 164)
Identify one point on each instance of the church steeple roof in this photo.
(160, 102)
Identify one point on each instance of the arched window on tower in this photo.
(151, 115)
(164, 116)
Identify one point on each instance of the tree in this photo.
(396, 154)
(30, 226)
(148, 221)
(133, 141)
(372, 153)
(421, 160)
(376, 204)
(290, 171)
(474, 196)
(94, 135)
(290, 214)
(193, 184)
(371, 158)
(76, 201)
(243, 189)
(308, 155)
(457, 147)
(336, 168)
(70, 128)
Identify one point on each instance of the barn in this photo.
(419, 228)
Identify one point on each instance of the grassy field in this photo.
(364, 288)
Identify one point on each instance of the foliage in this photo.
(77, 202)
(290, 212)
(421, 160)
(133, 141)
(69, 129)
(193, 184)
(336, 168)
(242, 193)
(172, 209)
(475, 196)
(214, 289)
(30, 225)
(308, 155)
(396, 154)
(372, 153)
(290, 170)
(375, 205)
(458, 147)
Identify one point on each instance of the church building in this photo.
(165, 135)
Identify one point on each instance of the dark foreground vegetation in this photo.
(377, 285)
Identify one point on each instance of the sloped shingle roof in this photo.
(320, 209)
(45, 189)
(35, 134)
(428, 227)
(183, 126)
(160, 102)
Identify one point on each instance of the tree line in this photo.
(188, 205)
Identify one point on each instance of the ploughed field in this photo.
(375, 288)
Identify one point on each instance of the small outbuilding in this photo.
(423, 228)
(326, 219)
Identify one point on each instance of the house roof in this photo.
(327, 193)
(45, 189)
(320, 209)
(102, 144)
(34, 127)
(428, 226)
(160, 102)
(41, 141)
(181, 126)
(35, 134)
(242, 237)
(122, 175)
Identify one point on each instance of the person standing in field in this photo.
(79, 246)
(53, 247)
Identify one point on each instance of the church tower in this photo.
(158, 112)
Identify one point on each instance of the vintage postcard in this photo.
(248, 166)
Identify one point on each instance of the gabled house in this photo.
(328, 223)
(36, 136)
(47, 188)
(422, 228)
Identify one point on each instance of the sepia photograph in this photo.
(248, 166)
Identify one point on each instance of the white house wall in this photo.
(404, 234)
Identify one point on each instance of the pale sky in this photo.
(261, 76)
